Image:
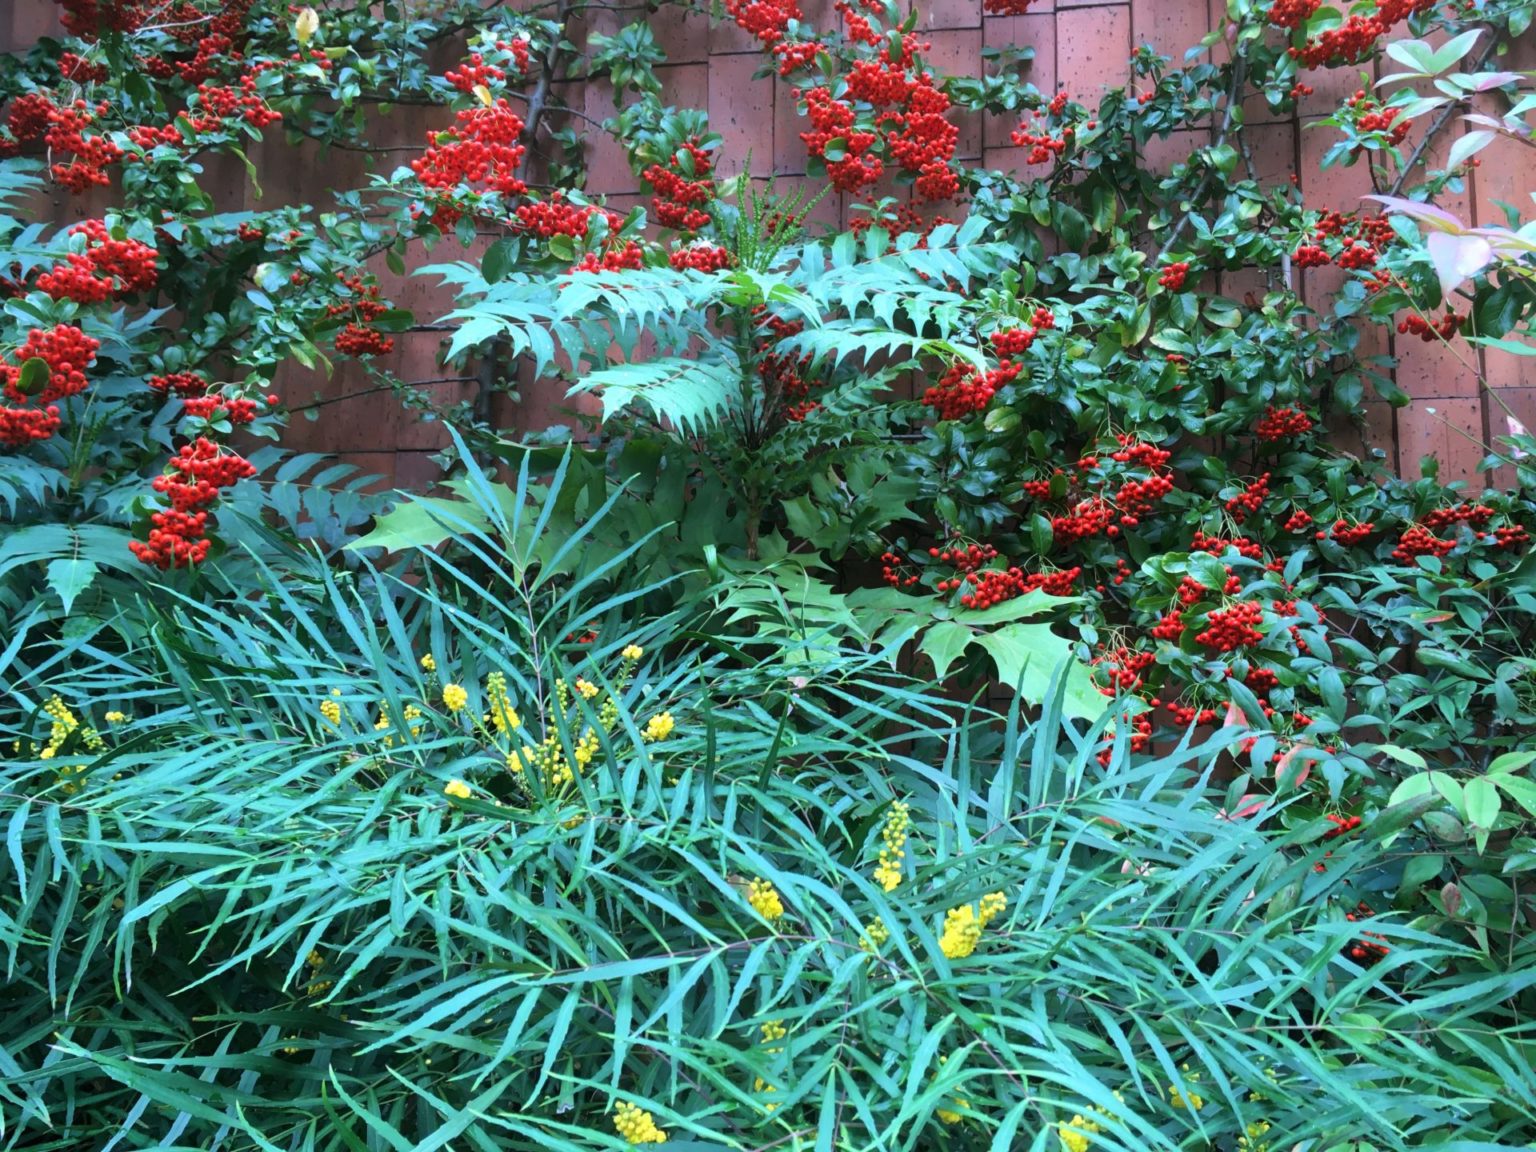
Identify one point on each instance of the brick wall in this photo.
(1080, 45)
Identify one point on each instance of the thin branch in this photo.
(1438, 123)
(1234, 98)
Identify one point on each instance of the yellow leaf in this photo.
(307, 24)
(484, 95)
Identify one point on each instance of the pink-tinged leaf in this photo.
(1506, 243)
(1285, 775)
(1250, 805)
(1434, 218)
(1457, 259)
(1487, 81)
(1468, 145)
(1138, 867)
(1516, 429)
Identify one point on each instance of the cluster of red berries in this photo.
(68, 352)
(79, 70)
(1342, 826)
(1475, 515)
(855, 166)
(1141, 733)
(1346, 533)
(1173, 275)
(893, 571)
(701, 256)
(199, 473)
(995, 585)
(1017, 341)
(1298, 521)
(963, 558)
(181, 383)
(90, 155)
(88, 19)
(107, 268)
(1279, 423)
(1355, 39)
(364, 306)
(1418, 541)
(1370, 946)
(962, 390)
(768, 20)
(1124, 669)
(1087, 518)
(555, 217)
(627, 256)
(1371, 116)
(1228, 629)
(1170, 626)
(473, 73)
(1006, 7)
(795, 56)
(1217, 545)
(237, 410)
(1292, 13)
(1044, 146)
(1445, 329)
(479, 153)
(1250, 500)
(678, 198)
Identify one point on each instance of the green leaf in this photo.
(69, 576)
(944, 643)
(34, 376)
(1028, 655)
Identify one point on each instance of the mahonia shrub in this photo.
(725, 904)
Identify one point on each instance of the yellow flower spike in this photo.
(632, 652)
(501, 714)
(637, 1125)
(586, 688)
(945, 1114)
(962, 932)
(458, 789)
(454, 697)
(765, 901)
(992, 906)
(428, 663)
(773, 1030)
(893, 837)
(116, 717)
(1075, 1132)
(875, 934)
(331, 710)
(658, 727)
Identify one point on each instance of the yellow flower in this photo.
(116, 717)
(893, 838)
(632, 652)
(458, 788)
(1190, 1100)
(658, 727)
(637, 1125)
(992, 905)
(428, 663)
(946, 1115)
(774, 1030)
(765, 900)
(875, 934)
(501, 713)
(1252, 1139)
(962, 932)
(331, 710)
(454, 697)
(586, 688)
(1075, 1132)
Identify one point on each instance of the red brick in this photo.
(937, 14)
(1093, 47)
(1435, 370)
(1449, 430)
(1172, 27)
(681, 32)
(741, 111)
